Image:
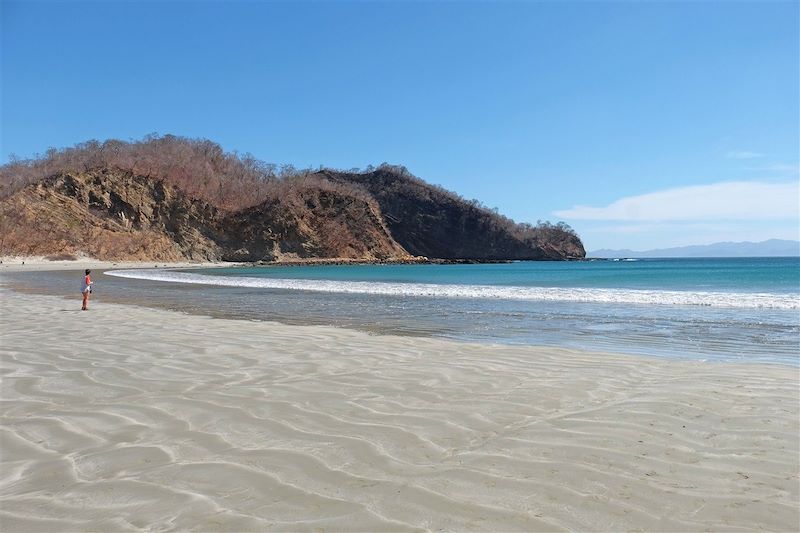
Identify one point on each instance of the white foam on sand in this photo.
(125, 418)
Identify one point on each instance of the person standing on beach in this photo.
(87, 290)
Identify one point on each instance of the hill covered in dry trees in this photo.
(173, 198)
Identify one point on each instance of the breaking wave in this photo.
(553, 294)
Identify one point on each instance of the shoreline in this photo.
(543, 348)
(126, 417)
(373, 332)
(43, 263)
(372, 315)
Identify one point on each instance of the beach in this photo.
(127, 418)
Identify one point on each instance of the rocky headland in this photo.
(175, 199)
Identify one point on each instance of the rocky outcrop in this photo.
(108, 214)
(114, 214)
(433, 222)
(311, 222)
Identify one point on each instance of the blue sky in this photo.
(642, 125)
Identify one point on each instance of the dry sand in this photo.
(124, 418)
(40, 263)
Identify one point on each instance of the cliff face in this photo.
(108, 214)
(115, 214)
(311, 222)
(431, 222)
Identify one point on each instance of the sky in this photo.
(641, 124)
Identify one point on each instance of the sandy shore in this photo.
(124, 418)
(39, 263)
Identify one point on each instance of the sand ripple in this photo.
(125, 419)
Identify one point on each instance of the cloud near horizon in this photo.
(734, 200)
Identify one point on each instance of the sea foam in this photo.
(552, 294)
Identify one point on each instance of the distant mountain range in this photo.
(770, 248)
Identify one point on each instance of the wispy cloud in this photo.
(735, 200)
(743, 154)
(637, 235)
(779, 167)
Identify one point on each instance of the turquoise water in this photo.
(771, 275)
(711, 309)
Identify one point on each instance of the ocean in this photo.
(743, 309)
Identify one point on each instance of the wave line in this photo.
(553, 294)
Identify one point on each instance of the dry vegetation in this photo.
(197, 166)
(233, 183)
(431, 221)
(230, 181)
